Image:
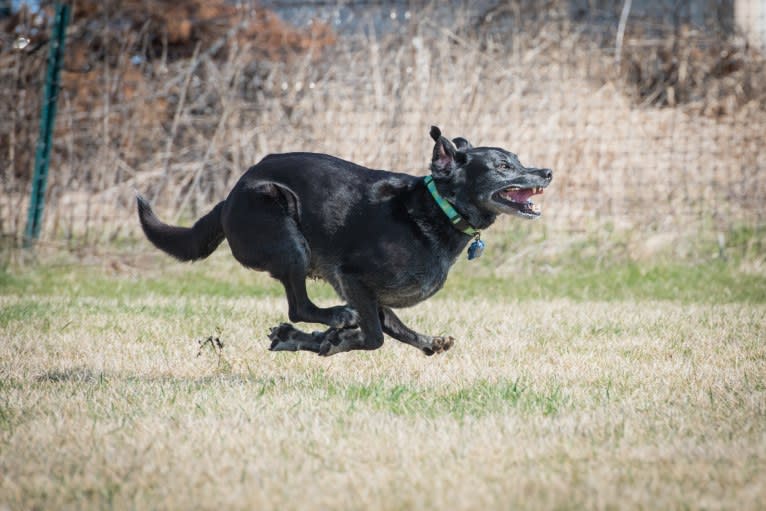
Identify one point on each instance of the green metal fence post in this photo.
(47, 120)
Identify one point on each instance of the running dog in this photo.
(383, 240)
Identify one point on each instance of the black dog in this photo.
(383, 240)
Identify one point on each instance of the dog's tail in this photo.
(183, 243)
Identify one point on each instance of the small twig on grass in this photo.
(216, 344)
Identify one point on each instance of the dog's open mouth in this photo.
(518, 199)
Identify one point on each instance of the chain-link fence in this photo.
(651, 113)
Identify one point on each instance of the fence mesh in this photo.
(653, 118)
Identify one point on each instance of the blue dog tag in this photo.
(476, 249)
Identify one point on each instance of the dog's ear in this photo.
(462, 144)
(445, 155)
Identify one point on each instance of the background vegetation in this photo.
(661, 135)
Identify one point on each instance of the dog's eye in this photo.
(504, 165)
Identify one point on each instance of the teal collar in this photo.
(460, 223)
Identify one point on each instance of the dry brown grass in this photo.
(545, 90)
(105, 403)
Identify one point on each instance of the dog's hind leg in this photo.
(301, 308)
(368, 336)
(394, 327)
(264, 234)
(286, 337)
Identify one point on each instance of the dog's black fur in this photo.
(379, 238)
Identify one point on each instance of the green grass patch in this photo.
(73, 280)
(509, 271)
(478, 399)
(123, 399)
(709, 282)
(24, 311)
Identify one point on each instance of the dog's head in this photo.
(483, 182)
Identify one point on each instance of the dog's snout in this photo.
(546, 174)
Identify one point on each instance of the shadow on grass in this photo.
(475, 399)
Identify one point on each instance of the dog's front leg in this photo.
(394, 327)
(369, 334)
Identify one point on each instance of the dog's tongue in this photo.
(520, 196)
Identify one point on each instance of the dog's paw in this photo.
(330, 344)
(281, 331)
(345, 317)
(280, 335)
(439, 345)
(328, 349)
(344, 339)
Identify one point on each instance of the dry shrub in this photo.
(119, 57)
(172, 29)
(182, 131)
(20, 85)
(715, 76)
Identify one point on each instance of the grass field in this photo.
(588, 384)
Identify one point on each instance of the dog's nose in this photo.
(548, 174)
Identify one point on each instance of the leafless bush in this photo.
(182, 130)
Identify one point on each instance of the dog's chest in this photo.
(393, 285)
(409, 286)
